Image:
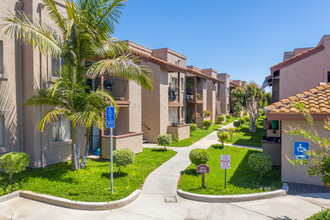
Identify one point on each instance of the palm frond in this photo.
(54, 14)
(50, 117)
(31, 31)
(123, 67)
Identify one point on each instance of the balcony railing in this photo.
(117, 87)
(199, 95)
(173, 94)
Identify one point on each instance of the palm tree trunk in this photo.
(84, 159)
(74, 164)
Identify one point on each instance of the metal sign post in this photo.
(225, 164)
(110, 123)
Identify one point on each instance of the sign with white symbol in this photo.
(202, 168)
(110, 117)
(300, 150)
(225, 162)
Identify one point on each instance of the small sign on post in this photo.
(203, 168)
(110, 123)
(300, 150)
(225, 164)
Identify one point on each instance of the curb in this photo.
(234, 198)
(67, 203)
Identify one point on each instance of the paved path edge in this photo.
(234, 198)
(67, 203)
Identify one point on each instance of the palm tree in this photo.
(71, 99)
(85, 45)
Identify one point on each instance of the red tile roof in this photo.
(316, 101)
(298, 57)
(173, 67)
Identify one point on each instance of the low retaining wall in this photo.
(234, 198)
(91, 206)
(182, 130)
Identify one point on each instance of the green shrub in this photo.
(220, 119)
(222, 135)
(193, 127)
(164, 140)
(14, 162)
(207, 113)
(325, 171)
(176, 137)
(207, 124)
(241, 121)
(231, 131)
(322, 215)
(260, 162)
(247, 118)
(123, 157)
(199, 156)
(228, 117)
(237, 124)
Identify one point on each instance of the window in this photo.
(328, 76)
(61, 130)
(1, 131)
(56, 67)
(182, 86)
(1, 56)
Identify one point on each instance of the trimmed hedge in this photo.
(199, 156)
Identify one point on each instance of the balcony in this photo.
(119, 89)
(198, 99)
(173, 94)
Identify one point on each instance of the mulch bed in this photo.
(295, 188)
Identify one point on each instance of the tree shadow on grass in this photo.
(190, 171)
(247, 178)
(158, 150)
(115, 175)
(217, 146)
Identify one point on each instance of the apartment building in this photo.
(301, 69)
(22, 70)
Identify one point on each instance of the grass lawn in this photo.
(232, 119)
(91, 184)
(195, 136)
(240, 178)
(244, 137)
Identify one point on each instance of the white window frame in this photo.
(61, 139)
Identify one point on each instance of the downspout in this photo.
(42, 155)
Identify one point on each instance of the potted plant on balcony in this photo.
(198, 96)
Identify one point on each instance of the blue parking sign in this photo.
(110, 117)
(300, 149)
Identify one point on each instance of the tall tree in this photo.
(85, 35)
(248, 97)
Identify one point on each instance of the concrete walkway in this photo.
(159, 200)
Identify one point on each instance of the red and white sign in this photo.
(225, 162)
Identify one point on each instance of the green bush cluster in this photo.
(123, 157)
(228, 117)
(220, 119)
(237, 124)
(164, 140)
(222, 135)
(14, 162)
(325, 171)
(247, 118)
(199, 156)
(322, 215)
(193, 127)
(241, 121)
(260, 162)
(207, 124)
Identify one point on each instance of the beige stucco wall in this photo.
(224, 92)
(8, 88)
(183, 131)
(135, 107)
(25, 70)
(133, 142)
(305, 74)
(297, 174)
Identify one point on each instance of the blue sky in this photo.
(243, 38)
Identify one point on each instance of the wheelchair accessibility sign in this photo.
(300, 150)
